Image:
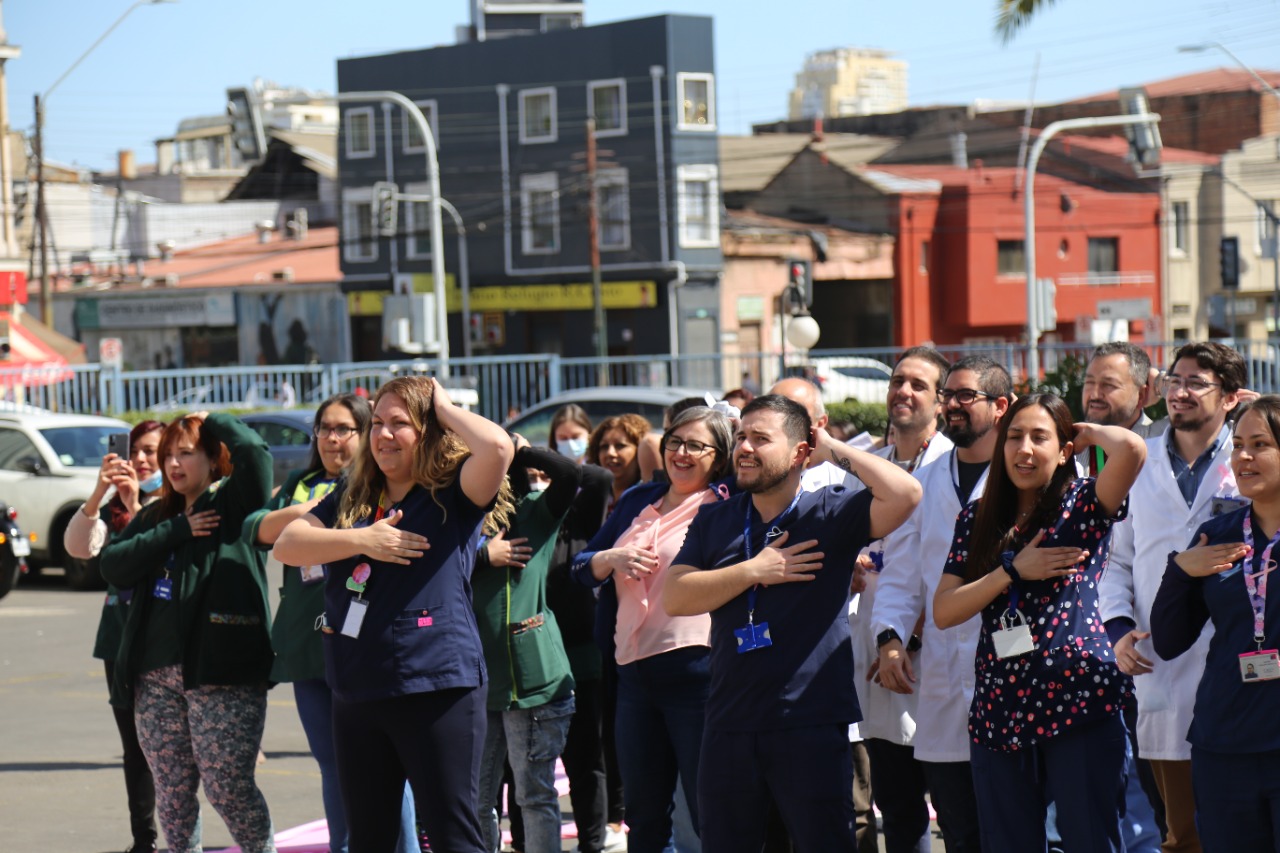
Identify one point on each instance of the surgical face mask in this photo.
(538, 486)
(574, 448)
(151, 483)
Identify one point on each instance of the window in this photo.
(1010, 259)
(613, 195)
(359, 239)
(1104, 255)
(924, 256)
(697, 94)
(538, 115)
(1181, 238)
(359, 134)
(698, 204)
(1267, 228)
(607, 104)
(16, 451)
(551, 23)
(413, 141)
(417, 226)
(540, 213)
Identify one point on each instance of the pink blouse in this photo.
(644, 629)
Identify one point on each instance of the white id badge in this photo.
(1014, 637)
(1260, 666)
(355, 618)
(312, 574)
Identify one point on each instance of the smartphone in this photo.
(118, 443)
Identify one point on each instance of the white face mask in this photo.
(574, 448)
(151, 483)
(538, 485)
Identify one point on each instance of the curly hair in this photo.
(437, 457)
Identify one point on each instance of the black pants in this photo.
(899, 787)
(951, 792)
(584, 764)
(608, 716)
(139, 786)
(433, 739)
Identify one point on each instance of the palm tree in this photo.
(1013, 15)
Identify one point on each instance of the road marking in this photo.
(22, 612)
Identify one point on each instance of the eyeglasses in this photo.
(965, 396)
(343, 432)
(1192, 384)
(692, 447)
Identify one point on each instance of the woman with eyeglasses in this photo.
(337, 427)
(1222, 579)
(663, 661)
(1044, 723)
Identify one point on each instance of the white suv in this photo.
(48, 466)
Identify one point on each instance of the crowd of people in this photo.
(740, 633)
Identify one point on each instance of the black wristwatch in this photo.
(914, 644)
(885, 636)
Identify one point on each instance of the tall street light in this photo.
(1213, 45)
(42, 219)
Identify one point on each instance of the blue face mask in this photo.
(574, 448)
(151, 483)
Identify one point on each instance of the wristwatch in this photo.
(913, 645)
(885, 636)
(1006, 561)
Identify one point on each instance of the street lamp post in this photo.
(42, 220)
(1213, 45)
(1029, 213)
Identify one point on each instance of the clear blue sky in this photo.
(170, 61)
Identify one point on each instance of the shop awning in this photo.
(37, 355)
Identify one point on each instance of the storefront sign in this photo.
(151, 312)
(520, 297)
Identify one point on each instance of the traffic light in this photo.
(1230, 263)
(800, 283)
(247, 134)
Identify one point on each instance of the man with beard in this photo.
(1187, 479)
(977, 393)
(782, 692)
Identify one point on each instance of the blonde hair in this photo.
(437, 457)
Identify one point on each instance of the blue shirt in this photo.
(419, 633)
(1070, 677)
(806, 677)
(1189, 477)
(1230, 716)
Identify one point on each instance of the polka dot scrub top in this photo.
(1070, 678)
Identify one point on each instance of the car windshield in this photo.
(80, 446)
(863, 373)
(536, 425)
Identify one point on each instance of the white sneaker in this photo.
(614, 841)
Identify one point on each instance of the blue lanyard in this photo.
(773, 532)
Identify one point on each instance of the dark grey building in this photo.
(510, 117)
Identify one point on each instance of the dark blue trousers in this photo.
(435, 741)
(807, 772)
(1237, 801)
(1083, 772)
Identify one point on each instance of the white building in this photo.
(849, 81)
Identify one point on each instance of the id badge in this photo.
(355, 618)
(163, 589)
(752, 636)
(1220, 506)
(1013, 639)
(312, 574)
(1262, 665)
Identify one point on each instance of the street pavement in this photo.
(61, 785)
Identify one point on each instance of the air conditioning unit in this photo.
(409, 323)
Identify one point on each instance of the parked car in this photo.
(14, 548)
(211, 397)
(366, 383)
(288, 434)
(857, 378)
(48, 466)
(534, 423)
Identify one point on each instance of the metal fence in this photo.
(497, 386)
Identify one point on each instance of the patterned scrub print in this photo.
(209, 734)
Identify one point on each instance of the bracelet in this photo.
(1006, 560)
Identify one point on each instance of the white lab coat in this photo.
(885, 715)
(1160, 522)
(914, 555)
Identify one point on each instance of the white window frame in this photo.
(684, 77)
(1265, 235)
(699, 173)
(616, 178)
(621, 85)
(553, 135)
(1179, 227)
(429, 109)
(351, 248)
(347, 116)
(539, 182)
(411, 252)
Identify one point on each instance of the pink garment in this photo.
(644, 629)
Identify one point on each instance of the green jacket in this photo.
(219, 583)
(297, 644)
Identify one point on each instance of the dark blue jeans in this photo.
(661, 710)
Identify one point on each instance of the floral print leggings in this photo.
(208, 734)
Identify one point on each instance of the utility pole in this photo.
(42, 219)
(593, 230)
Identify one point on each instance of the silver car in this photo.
(534, 423)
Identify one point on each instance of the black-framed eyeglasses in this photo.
(1192, 384)
(692, 446)
(343, 432)
(964, 396)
